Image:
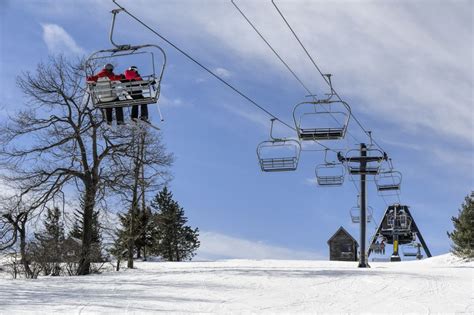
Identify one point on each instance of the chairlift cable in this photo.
(319, 70)
(206, 68)
(281, 60)
(284, 63)
(270, 46)
(211, 72)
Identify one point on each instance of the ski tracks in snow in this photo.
(247, 286)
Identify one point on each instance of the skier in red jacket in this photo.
(132, 74)
(108, 72)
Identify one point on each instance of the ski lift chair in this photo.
(108, 94)
(321, 120)
(120, 93)
(330, 173)
(355, 214)
(278, 155)
(388, 182)
(412, 250)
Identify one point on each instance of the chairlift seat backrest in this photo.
(321, 120)
(388, 181)
(355, 214)
(103, 90)
(278, 155)
(330, 174)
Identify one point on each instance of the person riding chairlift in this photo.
(108, 72)
(131, 74)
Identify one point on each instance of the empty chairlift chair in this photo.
(108, 94)
(278, 155)
(388, 182)
(412, 250)
(330, 173)
(323, 119)
(355, 213)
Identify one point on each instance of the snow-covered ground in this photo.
(441, 284)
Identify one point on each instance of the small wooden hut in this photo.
(342, 246)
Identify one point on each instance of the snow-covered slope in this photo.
(441, 284)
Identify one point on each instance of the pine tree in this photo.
(96, 237)
(144, 235)
(48, 248)
(119, 248)
(177, 241)
(463, 233)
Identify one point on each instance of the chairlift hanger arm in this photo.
(112, 27)
(187, 55)
(327, 79)
(202, 66)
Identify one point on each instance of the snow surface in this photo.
(442, 284)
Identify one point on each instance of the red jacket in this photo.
(105, 73)
(132, 75)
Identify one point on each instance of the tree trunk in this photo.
(24, 255)
(89, 203)
(139, 252)
(135, 197)
(117, 268)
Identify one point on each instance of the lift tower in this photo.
(362, 165)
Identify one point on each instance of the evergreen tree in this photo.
(144, 235)
(96, 235)
(48, 248)
(177, 241)
(146, 232)
(119, 248)
(463, 233)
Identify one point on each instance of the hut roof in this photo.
(341, 229)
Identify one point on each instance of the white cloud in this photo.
(59, 41)
(395, 59)
(252, 116)
(222, 72)
(171, 102)
(220, 246)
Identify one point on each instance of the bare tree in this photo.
(13, 227)
(144, 176)
(59, 144)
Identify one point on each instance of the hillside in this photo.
(442, 284)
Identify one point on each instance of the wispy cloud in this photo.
(220, 246)
(59, 41)
(222, 72)
(172, 102)
(252, 116)
(392, 60)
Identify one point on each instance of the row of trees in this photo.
(56, 148)
(161, 231)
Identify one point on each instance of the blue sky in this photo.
(406, 72)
